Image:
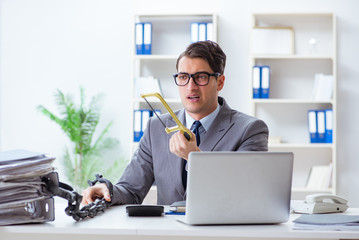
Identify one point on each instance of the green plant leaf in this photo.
(79, 123)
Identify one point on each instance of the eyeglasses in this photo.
(199, 78)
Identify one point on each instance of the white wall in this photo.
(45, 45)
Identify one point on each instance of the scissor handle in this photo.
(176, 128)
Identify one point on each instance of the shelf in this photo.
(300, 14)
(155, 100)
(292, 79)
(171, 35)
(301, 145)
(155, 57)
(175, 15)
(291, 101)
(297, 57)
(309, 190)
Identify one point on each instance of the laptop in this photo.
(238, 188)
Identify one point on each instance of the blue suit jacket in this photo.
(230, 131)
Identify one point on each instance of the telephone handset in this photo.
(325, 198)
(320, 203)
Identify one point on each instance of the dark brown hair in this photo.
(209, 51)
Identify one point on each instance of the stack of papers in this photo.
(145, 85)
(273, 40)
(23, 196)
(327, 222)
(323, 87)
(320, 177)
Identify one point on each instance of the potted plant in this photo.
(78, 122)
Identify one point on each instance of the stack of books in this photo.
(23, 195)
(177, 208)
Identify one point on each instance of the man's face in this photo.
(199, 101)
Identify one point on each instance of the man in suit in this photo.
(161, 157)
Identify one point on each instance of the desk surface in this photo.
(115, 224)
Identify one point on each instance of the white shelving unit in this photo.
(291, 83)
(171, 34)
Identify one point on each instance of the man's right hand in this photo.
(92, 193)
(181, 147)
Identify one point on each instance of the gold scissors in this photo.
(180, 127)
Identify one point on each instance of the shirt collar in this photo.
(206, 121)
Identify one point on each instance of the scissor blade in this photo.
(155, 113)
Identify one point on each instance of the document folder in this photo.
(202, 32)
(321, 126)
(256, 81)
(194, 32)
(265, 80)
(328, 125)
(146, 114)
(137, 125)
(312, 126)
(139, 38)
(210, 35)
(147, 38)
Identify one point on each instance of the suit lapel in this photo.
(220, 126)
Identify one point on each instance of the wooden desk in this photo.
(115, 224)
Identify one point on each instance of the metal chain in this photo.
(91, 210)
(56, 188)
